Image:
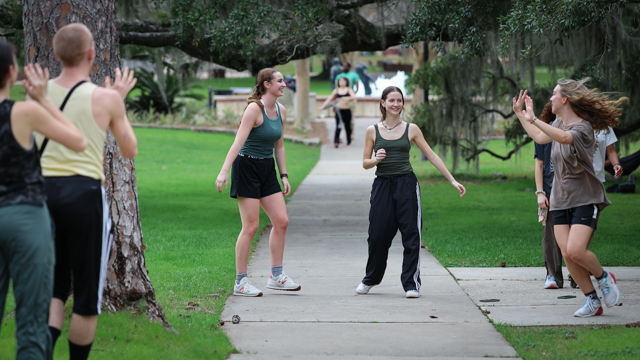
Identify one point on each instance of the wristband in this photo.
(616, 164)
(540, 192)
(285, 175)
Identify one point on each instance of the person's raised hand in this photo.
(459, 187)
(528, 114)
(36, 82)
(123, 82)
(517, 104)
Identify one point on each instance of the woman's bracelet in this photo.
(616, 164)
(285, 175)
(533, 120)
(540, 192)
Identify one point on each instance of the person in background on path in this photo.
(254, 181)
(342, 96)
(336, 69)
(577, 195)
(544, 181)
(354, 81)
(26, 239)
(395, 194)
(73, 182)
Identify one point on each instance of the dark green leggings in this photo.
(27, 257)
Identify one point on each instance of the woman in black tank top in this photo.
(395, 194)
(26, 241)
(340, 98)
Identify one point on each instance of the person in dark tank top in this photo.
(254, 181)
(340, 100)
(26, 240)
(395, 194)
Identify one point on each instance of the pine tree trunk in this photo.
(127, 281)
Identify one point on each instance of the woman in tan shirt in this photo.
(577, 195)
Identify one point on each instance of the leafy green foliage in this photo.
(154, 96)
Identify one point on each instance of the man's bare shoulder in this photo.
(106, 98)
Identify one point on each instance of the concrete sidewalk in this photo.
(326, 253)
(523, 300)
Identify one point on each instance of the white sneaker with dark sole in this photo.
(282, 282)
(244, 288)
(610, 292)
(363, 289)
(413, 294)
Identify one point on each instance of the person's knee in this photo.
(282, 223)
(576, 254)
(251, 228)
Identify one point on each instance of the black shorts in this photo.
(253, 177)
(82, 240)
(581, 215)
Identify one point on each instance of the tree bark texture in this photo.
(127, 280)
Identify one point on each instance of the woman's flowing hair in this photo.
(592, 105)
(547, 116)
(388, 90)
(265, 74)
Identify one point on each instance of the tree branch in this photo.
(507, 157)
(622, 131)
(352, 4)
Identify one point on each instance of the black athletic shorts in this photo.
(253, 177)
(82, 240)
(581, 215)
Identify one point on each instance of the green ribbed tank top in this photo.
(262, 139)
(397, 160)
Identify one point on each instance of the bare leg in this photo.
(56, 314)
(82, 330)
(276, 209)
(573, 243)
(250, 216)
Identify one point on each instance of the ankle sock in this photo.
(276, 270)
(240, 277)
(593, 295)
(604, 275)
(79, 352)
(55, 334)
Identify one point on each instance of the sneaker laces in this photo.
(591, 304)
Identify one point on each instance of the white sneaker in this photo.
(550, 282)
(609, 289)
(413, 294)
(591, 307)
(282, 282)
(363, 289)
(244, 288)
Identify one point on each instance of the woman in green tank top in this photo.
(395, 194)
(254, 180)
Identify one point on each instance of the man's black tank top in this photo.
(21, 179)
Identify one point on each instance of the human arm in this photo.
(543, 202)
(332, 97)
(352, 95)
(119, 123)
(534, 132)
(369, 143)
(280, 155)
(249, 118)
(613, 157)
(548, 131)
(41, 115)
(416, 136)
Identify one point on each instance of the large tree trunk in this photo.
(127, 280)
(302, 120)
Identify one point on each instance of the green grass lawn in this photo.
(190, 230)
(496, 221)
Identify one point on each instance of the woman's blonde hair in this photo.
(591, 105)
(266, 74)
